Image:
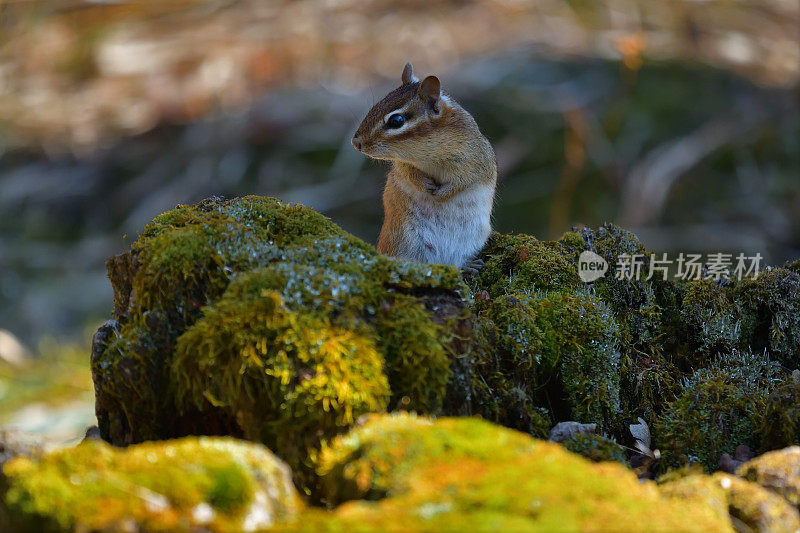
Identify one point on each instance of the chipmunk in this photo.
(439, 192)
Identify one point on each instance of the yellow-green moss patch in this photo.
(255, 318)
(778, 471)
(460, 474)
(215, 483)
(752, 507)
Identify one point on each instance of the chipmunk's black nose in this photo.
(356, 142)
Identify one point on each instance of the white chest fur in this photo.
(450, 232)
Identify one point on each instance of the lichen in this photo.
(551, 349)
(709, 321)
(718, 409)
(216, 484)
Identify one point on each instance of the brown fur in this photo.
(438, 157)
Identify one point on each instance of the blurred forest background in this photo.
(677, 119)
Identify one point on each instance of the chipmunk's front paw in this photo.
(471, 269)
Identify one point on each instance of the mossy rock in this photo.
(290, 378)
(687, 484)
(780, 425)
(462, 474)
(191, 484)
(750, 506)
(523, 264)
(778, 471)
(546, 349)
(710, 322)
(630, 375)
(770, 307)
(718, 409)
(665, 329)
(265, 320)
(757, 507)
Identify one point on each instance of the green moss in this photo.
(778, 471)
(259, 319)
(596, 448)
(265, 320)
(639, 315)
(289, 378)
(753, 508)
(770, 306)
(186, 255)
(466, 474)
(780, 425)
(523, 264)
(551, 349)
(133, 365)
(155, 486)
(693, 486)
(710, 322)
(636, 303)
(647, 382)
(718, 408)
(415, 355)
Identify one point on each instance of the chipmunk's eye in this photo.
(395, 121)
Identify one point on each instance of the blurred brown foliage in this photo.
(73, 72)
(678, 119)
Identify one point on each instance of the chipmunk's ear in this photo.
(408, 74)
(430, 90)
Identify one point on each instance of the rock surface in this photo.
(267, 322)
(779, 471)
(750, 506)
(461, 474)
(264, 320)
(211, 484)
